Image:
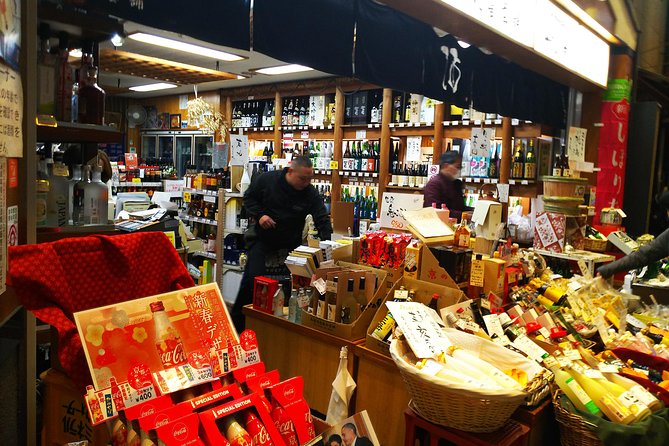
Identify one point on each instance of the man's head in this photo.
(349, 433)
(450, 163)
(334, 440)
(300, 172)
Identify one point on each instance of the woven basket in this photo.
(461, 409)
(591, 244)
(574, 430)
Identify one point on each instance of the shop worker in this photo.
(446, 187)
(654, 251)
(278, 202)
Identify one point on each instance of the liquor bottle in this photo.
(331, 301)
(74, 109)
(235, 433)
(557, 165)
(564, 163)
(466, 160)
(347, 156)
(46, 75)
(266, 115)
(350, 309)
(64, 80)
(78, 196)
(211, 240)
(292, 306)
(530, 162)
(637, 390)
(296, 112)
(606, 402)
(96, 199)
(492, 167)
(374, 115)
(42, 185)
(168, 341)
(361, 296)
(407, 107)
(398, 112)
(364, 157)
(303, 112)
(284, 113)
(76, 177)
(257, 430)
(412, 176)
(57, 204)
(91, 100)
(518, 161)
(462, 235)
(574, 391)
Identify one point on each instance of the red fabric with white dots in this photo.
(55, 280)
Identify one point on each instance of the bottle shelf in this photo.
(322, 172)
(410, 124)
(230, 267)
(79, 133)
(142, 184)
(355, 173)
(512, 181)
(252, 129)
(207, 254)
(405, 188)
(211, 193)
(205, 221)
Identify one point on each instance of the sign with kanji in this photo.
(11, 113)
(239, 150)
(481, 138)
(576, 144)
(413, 148)
(392, 206)
(421, 328)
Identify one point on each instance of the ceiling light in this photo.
(76, 53)
(117, 40)
(153, 87)
(185, 47)
(463, 44)
(283, 69)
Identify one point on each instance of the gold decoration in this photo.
(203, 116)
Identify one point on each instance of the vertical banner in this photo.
(612, 153)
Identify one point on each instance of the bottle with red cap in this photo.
(168, 341)
(257, 430)
(235, 433)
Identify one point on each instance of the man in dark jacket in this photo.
(279, 202)
(446, 187)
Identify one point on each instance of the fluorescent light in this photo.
(185, 47)
(76, 53)
(584, 17)
(153, 87)
(283, 69)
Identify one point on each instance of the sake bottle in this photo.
(606, 402)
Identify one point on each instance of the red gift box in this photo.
(181, 432)
(263, 292)
(156, 419)
(245, 373)
(218, 396)
(288, 394)
(549, 231)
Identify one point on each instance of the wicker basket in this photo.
(574, 430)
(596, 245)
(461, 409)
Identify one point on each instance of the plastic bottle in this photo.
(96, 199)
(293, 307)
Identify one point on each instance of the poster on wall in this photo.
(11, 118)
(239, 146)
(10, 32)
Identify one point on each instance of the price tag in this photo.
(476, 274)
(532, 350)
(605, 367)
(514, 121)
(425, 336)
(545, 333)
(585, 271)
(330, 286)
(594, 374)
(573, 355)
(140, 396)
(304, 135)
(413, 148)
(361, 134)
(564, 361)
(187, 197)
(320, 285)
(503, 192)
(334, 165)
(209, 199)
(137, 180)
(492, 325)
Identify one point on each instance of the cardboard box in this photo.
(431, 271)
(494, 276)
(487, 216)
(423, 293)
(455, 261)
(550, 231)
(358, 329)
(483, 246)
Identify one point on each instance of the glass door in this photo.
(166, 148)
(148, 147)
(204, 149)
(184, 150)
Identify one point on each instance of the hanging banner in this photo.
(239, 146)
(481, 138)
(11, 113)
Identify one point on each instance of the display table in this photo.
(591, 259)
(296, 350)
(381, 391)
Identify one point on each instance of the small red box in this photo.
(550, 231)
(156, 419)
(263, 292)
(181, 432)
(250, 371)
(289, 395)
(217, 397)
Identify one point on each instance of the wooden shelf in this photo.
(79, 133)
(405, 188)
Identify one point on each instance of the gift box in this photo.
(549, 231)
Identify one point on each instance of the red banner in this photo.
(612, 156)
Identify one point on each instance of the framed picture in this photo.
(164, 121)
(175, 121)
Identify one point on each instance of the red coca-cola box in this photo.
(245, 373)
(289, 395)
(216, 397)
(257, 384)
(263, 292)
(209, 427)
(131, 415)
(150, 422)
(183, 431)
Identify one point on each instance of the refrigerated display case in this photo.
(180, 147)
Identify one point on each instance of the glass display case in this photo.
(180, 147)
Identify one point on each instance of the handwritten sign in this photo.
(239, 150)
(419, 324)
(481, 138)
(503, 193)
(392, 206)
(576, 144)
(413, 148)
(11, 118)
(476, 274)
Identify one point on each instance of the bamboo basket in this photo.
(596, 245)
(574, 430)
(462, 409)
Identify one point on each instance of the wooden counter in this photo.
(298, 350)
(381, 391)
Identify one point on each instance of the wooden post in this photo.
(384, 156)
(438, 146)
(505, 160)
(227, 115)
(338, 137)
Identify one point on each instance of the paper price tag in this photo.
(573, 355)
(492, 325)
(136, 180)
(140, 396)
(320, 285)
(605, 367)
(361, 134)
(187, 197)
(476, 274)
(583, 267)
(594, 374)
(503, 192)
(419, 325)
(413, 148)
(334, 165)
(330, 286)
(544, 332)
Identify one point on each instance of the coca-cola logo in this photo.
(250, 374)
(147, 411)
(174, 356)
(180, 431)
(289, 392)
(261, 437)
(285, 428)
(162, 420)
(265, 383)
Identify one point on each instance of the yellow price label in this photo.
(136, 180)
(334, 165)
(187, 197)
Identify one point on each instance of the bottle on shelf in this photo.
(557, 165)
(91, 99)
(564, 163)
(350, 309)
(518, 161)
(59, 192)
(493, 171)
(530, 172)
(462, 234)
(96, 199)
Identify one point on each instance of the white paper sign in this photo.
(481, 138)
(11, 118)
(413, 148)
(392, 206)
(239, 146)
(576, 144)
(503, 192)
(419, 324)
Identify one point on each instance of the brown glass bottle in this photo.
(91, 100)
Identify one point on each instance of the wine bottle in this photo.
(331, 301)
(350, 309)
(530, 162)
(557, 165)
(606, 402)
(574, 391)
(518, 161)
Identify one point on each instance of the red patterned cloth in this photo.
(55, 280)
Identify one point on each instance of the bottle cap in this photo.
(532, 326)
(557, 332)
(157, 306)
